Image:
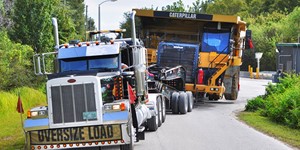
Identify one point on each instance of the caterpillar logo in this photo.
(182, 15)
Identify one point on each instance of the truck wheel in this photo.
(210, 97)
(174, 100)
(183, 103)
(159, 111)
(234, 89)
(190, 101)
(163, 108)
(152, 123)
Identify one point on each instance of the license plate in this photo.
(76, 134)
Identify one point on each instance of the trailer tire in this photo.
(183, 103)
(175, 97)
(234, 88)
(190, 101)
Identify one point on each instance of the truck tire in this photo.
(159, 110)
(174, 100)
(163, 108)
(183, 103)
(234, 89)
(152, 123)
(190, 101)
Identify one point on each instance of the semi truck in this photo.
(92, 102)
(209, 47)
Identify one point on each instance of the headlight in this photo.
(38, 112)
(114, 107)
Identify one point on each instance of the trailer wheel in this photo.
(190, 101)
(183, 103)
(163, 108)
(174, 103)
(234, 89)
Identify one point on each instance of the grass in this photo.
(280, 132)
(11, 133)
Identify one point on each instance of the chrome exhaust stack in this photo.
(55, 26)
(139, 61)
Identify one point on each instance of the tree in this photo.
(176, 6)
(91, 24)
(226, 7)
(66, 25)
(32, 23)
(76, 9)
(5, 14)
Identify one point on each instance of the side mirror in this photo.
(248, 41)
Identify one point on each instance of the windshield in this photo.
(215, 42)
(103, 63)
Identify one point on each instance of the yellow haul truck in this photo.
(209, 47)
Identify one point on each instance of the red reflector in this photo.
(116, 141)
(45, 147)
(39, 147)
(122, 141)
(58, 146)
(51, 146)
(71, 80)
(96, 143)
(102, 143)
(109, 142)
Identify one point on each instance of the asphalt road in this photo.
(213, 126)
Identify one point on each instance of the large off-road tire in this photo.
(175, 97)
(190, 101)
(234, 89)
(183, 103)
(163, 108)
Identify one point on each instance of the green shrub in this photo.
(281, 103)
(255, 104)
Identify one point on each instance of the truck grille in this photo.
(69, 102)
(187, 57)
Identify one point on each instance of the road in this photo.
(213, 126)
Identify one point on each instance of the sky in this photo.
(112, 12)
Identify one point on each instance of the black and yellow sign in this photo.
(76, 134)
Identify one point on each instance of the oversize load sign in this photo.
(76, 134)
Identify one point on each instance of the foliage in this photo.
(281, 102)
(11, 131)
(34, 27)
(176, 6)
(76, 8)
(66, 26)
(15, 65)
(226, 7)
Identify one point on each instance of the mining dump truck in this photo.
(209, 47)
